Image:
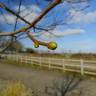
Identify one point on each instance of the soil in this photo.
(38, 79)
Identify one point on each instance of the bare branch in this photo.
(24, 29)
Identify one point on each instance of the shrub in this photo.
(15, 89)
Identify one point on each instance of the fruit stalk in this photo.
(50, 45)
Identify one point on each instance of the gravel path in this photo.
(37, 79)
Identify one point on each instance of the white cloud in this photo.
(67, 32)
(57, 33)
(8, 18)
(82, 17)
(34, 8)
(29, 14)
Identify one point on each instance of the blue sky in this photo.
(81, 21)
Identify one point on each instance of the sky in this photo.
(77, 20)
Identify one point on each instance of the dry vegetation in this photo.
(32, 78)
(15, 89)
(85, 56)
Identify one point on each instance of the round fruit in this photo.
(52, 45)
(36, 44)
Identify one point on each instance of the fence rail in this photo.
(80, 66)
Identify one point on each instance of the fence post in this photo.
(21, 59)
(82, 67)
(49, 63)
(40, 60)
(63, 65)
(10, 57)
(26, 60)
(17, 58)
(31, 59)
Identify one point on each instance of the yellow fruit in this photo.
(52, 45)
(36, 44)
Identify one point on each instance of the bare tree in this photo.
(40, 23)
(64, 87)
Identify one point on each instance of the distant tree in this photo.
(15, 47)
(65, 87)
(30, 50)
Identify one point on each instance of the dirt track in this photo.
(34, 78)
(38, 79)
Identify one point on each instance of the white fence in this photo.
(80, 66)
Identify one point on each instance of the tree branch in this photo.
(24, 29)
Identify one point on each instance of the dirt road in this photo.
(37, 79)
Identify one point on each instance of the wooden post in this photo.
(63, 65)
(26, 60)
(21, 59)
(82, 67)
(16, 58)
(49, 63)
(40, 59)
